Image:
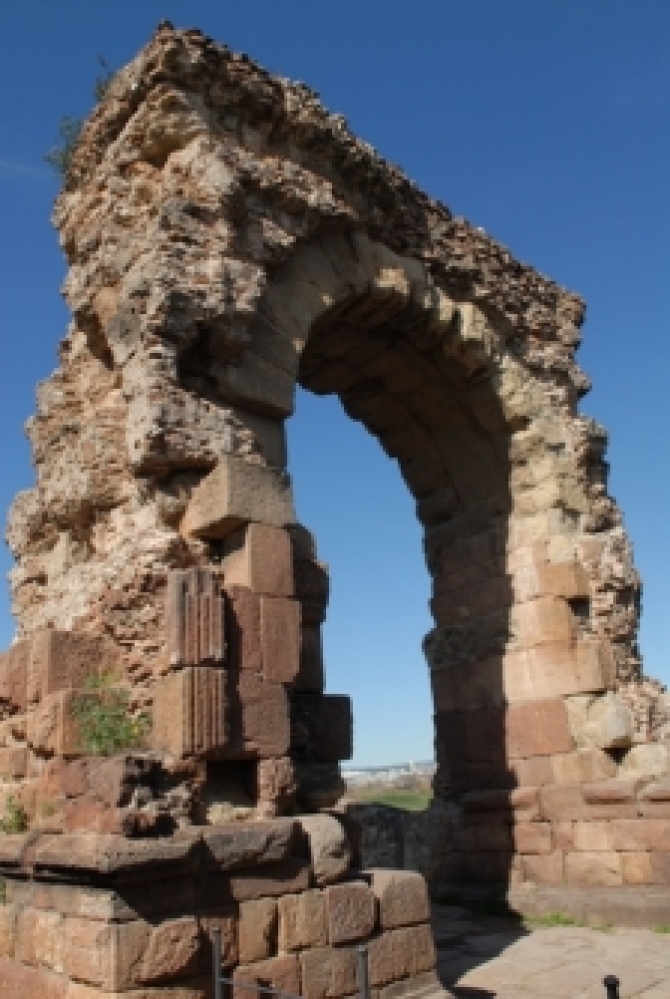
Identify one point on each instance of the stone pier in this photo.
(227, 239)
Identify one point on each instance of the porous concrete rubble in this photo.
(227, 238)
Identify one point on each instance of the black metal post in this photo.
(363, 978)
(611, 983)
(216, 959)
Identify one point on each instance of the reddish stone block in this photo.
(562, 802)
(14, 675)
(280, 639)
(321, 726)
(602, 868)
(660, 867)
(60, 660)
(534, 771)
(544, 868)
(544, 620)
(537, 728)
(189, 711)
(401, 953)
(302, 921)
(640, 834)
(636, 868)
(14, 762)
(194, 618)
(281, 973)
(259, 716)
(311, 672)
(312, 588)
(564, 838)
(39, 938)
(592, 837)
(556, 669)
(260, 558)
(243, 628)
(8, 926)
(266, 881)
(611, 792)
(351, 912)
(328, 972)
(533, 837)
(52, 728)
(20, 982)
(583, 765)
(257, 930)
(402, 897)
(174, 950)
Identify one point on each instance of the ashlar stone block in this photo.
(302, 921)
(280, 639)
(351, 912)
(259, 557)
(402, 897)
(189, 711)
(235, 493)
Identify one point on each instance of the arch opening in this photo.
(267, 246)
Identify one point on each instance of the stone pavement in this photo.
(485, 957)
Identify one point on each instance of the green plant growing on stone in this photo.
(60, 156)
(102, 713)
(15, 819)
(103, 80)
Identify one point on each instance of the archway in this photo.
(227, 238)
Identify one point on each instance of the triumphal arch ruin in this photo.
(227, 238)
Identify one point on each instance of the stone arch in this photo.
(226, 238)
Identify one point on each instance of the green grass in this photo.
(553, 919)
(410, 801)
(664, 928)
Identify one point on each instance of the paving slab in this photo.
(505, 958)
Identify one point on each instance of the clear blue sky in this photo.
(546, 123)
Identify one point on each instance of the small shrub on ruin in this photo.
(15, 819)
(102, 713)
(60, 157)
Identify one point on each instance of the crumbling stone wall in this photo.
(228, 238)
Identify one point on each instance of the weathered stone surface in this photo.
(18, 982)
(402, 897)
(14, 675)
(259, 558)
(401, 953)
(194, 618)
(280, 639)
(212, 266)
(329, 849)
(244, 629)
(52, 727)
(302, 921)
(246, 844)
(190, 711)
(257, 930)
(235, 493)
(259, 716)
(328, 972)
(173, 951)
(351, 912)
(59, 660)
(651, 760)
(281, 973)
